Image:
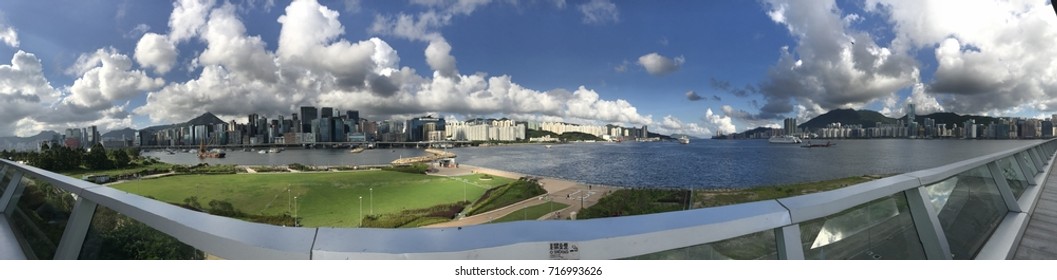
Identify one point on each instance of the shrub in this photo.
(415, 217)
(498, 197)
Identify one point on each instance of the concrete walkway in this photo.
(558, 190)
(1040, 238)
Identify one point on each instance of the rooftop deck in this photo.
(1039, 241)
(997, 206)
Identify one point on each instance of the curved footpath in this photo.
(558, 190)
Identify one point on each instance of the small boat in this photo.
(827, 145)
(684, 140)
(548, 146)
(785, 139)
(357, 150)
(262, 151)
(274, 150)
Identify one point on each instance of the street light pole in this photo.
(361, 210)
(372, 200)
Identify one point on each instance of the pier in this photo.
(434, 154)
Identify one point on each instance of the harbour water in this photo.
(700, 164)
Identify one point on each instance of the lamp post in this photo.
(295, 211)
(372, 200)
(361, 210)
(551, 204)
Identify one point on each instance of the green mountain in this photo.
(952, 118)
(866, 118)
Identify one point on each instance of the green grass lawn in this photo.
(532, 213)
(327, 199)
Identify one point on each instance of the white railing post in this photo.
(789, 246)
(927, 222)
(76, 229)
(1019, 160)
(1003, 187)
(11, 194)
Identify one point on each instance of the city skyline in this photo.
(697, 68)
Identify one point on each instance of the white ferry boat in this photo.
(785, 139)
(684, 140)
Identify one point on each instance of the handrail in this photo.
(605, 238)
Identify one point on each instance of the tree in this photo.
(97, 159)
(121, 159)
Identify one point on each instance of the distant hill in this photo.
(127, 133)
(866, 118)
(658, 135)
(744, 134)
(952, 118)
(26, 143)
(205, 119)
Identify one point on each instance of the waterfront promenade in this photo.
(558, 190)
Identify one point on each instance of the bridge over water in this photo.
(998, 206)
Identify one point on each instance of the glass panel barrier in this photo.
(754, 246)
(40, 217)
(4, 180)
(880, 229)
(970, 208)
(1029, 164)
(113, 236)
(1013, 175)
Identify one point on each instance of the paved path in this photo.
(1039, 241)
(558, 190)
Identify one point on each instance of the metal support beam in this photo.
(11, 194)
(1003, 187)
(3, 171)
(927, 222)
(76, 229)
(788, 238)
(1034, 154)
(1019, 160)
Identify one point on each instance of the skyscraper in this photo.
(326, 112)
(911, 116)
(308, 113)
(353, 115)
(790, 126)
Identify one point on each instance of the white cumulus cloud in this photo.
(156, 51)
(833, 65)
(659, 65)
(721, 124)
(109, 77)
(991, 56)
(439, 58)
(8, 35)
(313, 65)
(188, 18)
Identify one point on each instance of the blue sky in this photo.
(694, 67)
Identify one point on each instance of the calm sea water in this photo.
(701, 164)
(328, 157)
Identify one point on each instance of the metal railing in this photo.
(971, 209)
